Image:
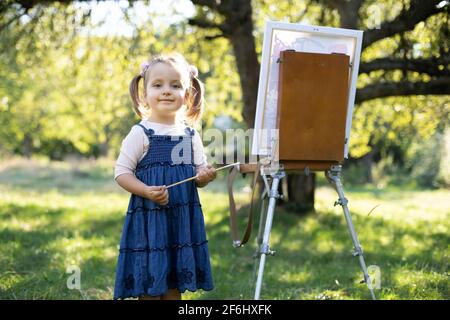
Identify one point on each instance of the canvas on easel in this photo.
(281, 37)
(312, 108)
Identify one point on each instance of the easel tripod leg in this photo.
(264, 249)
(259, 237)
(334, 177)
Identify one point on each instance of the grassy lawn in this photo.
(54, 215)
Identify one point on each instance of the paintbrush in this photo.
(194, 177)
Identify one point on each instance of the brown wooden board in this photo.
(312, 106)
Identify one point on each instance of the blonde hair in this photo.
(195, 88)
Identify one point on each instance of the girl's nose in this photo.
(166, 91)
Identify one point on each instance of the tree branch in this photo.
(28, 4)
(202, 23)
(419, 11)
(439, 86)
(207, 3)
(428, 66)
(205, 24)
(236, 13)
(210, 38)
(15, 18)
(348, 11)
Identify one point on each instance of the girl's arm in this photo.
(130, 183)
(133, 149)
(200, 160)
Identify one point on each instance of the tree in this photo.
(405, 53)
(62, 82)
(233, 19)
(86, 78)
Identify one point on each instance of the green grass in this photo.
(53, 216)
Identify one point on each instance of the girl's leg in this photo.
(172, 294)
(149, 298)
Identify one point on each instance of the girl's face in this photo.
(165, 92)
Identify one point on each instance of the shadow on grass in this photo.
(313, 259)
(64, 180)
(36, 252)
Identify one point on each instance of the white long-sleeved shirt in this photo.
(136, 145)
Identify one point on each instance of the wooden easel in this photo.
(311, 117)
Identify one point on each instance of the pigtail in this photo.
(195, 100)
(134, 92)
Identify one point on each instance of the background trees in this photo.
(405, 53)
(63, 86)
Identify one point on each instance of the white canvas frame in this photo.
(307, 39)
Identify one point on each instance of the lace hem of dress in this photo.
(182, 290)
(178, 205)
(174, 246)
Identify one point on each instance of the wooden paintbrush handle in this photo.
(192, 178)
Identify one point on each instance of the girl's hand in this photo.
(205, 175)
(158, 194)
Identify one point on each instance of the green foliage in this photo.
(70, 88)
(396, 130)
(425, 161)
(64, 89)
(444, 170)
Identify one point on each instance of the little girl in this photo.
(163, 249)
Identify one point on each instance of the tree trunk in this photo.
(27, 146)
(244, 48)
(367, 161)
(104, 149)
(238, 28)
(301, 189)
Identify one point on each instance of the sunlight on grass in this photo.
(421, 284)
(55, 215)
(302, 276)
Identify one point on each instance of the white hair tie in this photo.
(193, 71)
(144, 68)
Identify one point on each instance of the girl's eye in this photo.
(176, 86)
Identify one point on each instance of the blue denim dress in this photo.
(164, 247)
